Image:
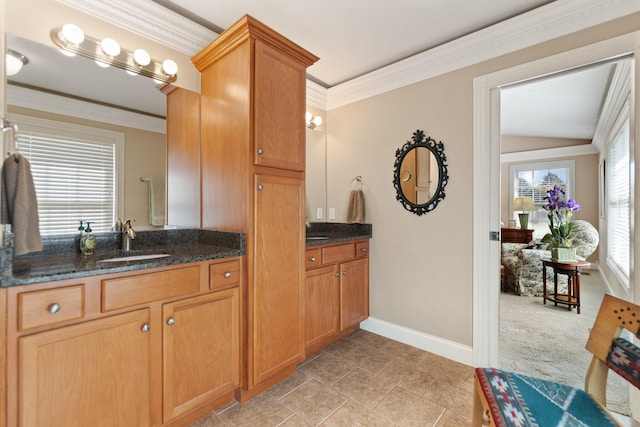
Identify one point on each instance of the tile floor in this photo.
(362, 380)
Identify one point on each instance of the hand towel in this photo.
(20, 205)
(355, 211)
(156, 202)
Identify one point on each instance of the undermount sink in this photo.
(317, 237)
(134, 258)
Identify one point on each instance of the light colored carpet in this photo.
(548, 342)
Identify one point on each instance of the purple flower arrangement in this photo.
(560, 212)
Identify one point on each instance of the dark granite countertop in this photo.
(326, 233)
(60, 258)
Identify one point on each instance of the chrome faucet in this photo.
(128, 234)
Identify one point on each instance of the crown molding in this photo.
(553, 20)
(548, 22)
(150, 20)
(617, 97)
(549, 153)
(28, 98)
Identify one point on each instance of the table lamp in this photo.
(523, 204)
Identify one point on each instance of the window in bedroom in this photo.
(533, 180)
(75, 171)
(619, 198)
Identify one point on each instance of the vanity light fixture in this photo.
(70, 38)
(14, 61)
(311, 121)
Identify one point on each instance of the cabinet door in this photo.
(354, 292)
(201, 347)
(275, 298)
(321, 305)
(280, 93)
(91, 374)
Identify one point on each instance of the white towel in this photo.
(20, 205)
(156, 202)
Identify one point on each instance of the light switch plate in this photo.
(319, 214)
(332, 213)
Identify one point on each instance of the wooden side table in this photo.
(516, 235)
(572, 270)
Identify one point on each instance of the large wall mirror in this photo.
(75, 90)
(316, 176)
(420, 173)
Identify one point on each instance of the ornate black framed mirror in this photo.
(420, 173)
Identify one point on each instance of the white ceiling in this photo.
(351, 38)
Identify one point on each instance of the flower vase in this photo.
(524, 220)
(563, 254)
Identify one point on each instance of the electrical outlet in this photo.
(332, 213)
(319, 214)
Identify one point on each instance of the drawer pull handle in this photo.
(54, 308)
(260, 151)
(227, 274)
(171, 321)
(344, 272)
(260, 187)
(312, 259)
(363, 249)
(145, 327)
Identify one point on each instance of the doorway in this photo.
(487, 178)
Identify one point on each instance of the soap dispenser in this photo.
(87, 241)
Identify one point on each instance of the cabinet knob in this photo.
(260, 151)
(363, 249)
(171, 321)
(227, 274)
(145, 327)
(337, 274)
(54, 308)
(312, 259)
(260, 187)
(344, 273)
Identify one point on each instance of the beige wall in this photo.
(586, 189)
(514, 144)
(144, 156)
(421, 272)
(34, 19)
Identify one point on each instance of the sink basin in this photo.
(317, 237)
(134, 258)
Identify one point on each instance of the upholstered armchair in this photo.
(523, 262)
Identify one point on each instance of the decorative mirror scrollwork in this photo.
(420, 173)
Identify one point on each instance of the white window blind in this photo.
(618, 229)
(75, 172)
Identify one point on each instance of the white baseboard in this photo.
(445, 348)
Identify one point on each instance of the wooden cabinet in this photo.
(252, 160)
(146, 348)
(336, 292)
(66, 372)
(516, 235)
(201, 345)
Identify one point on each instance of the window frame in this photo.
(66, 130)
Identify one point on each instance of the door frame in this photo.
(486, 177)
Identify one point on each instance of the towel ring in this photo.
(358, 183)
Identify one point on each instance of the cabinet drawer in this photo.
(139, 289)
(339, 253)
(312, 258)
(224, 275)
(50, 306)
(362, 249)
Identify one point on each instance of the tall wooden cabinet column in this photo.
(253, 89)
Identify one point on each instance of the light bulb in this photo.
(131, 73)
(101, 64)
(307, 117)
(110, 46)
(170, 67)
(141, 57)
(72, 33)
(14, 65)
(67, 53)
(317, 120)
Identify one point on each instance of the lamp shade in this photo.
(523, 204)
